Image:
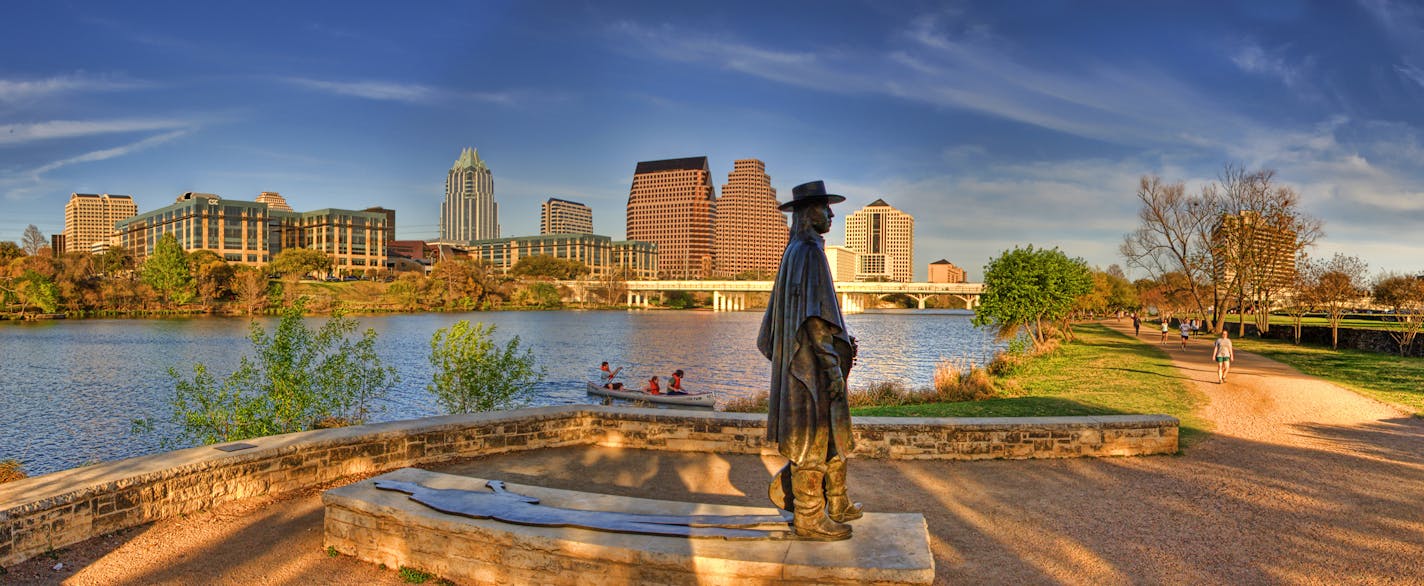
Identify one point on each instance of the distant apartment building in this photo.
(671, 204)
(842, 261)
(90, 218)
(750, 232)
(1248, 242)
(390, 222)
(56, 244)
(469, 212)
(560, 216)
(943, 271)
(884, 241)
(601, 254)
(251, 233)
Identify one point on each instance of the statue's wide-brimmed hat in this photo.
(809, 193)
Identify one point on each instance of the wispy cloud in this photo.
(967, 69)
(110, 153)
(12, 134)
(24, 90)
(1252, 58)
(410, 93)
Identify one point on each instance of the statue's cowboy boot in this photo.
(839, 507)
(811, 522)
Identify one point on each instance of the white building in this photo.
(884, 241)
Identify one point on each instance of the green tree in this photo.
(298, 378)
(113, 261)
(167, 271)
(300, 262)
(34, 288)
(1027, 287)
(9, 251)
(474, 374)
(541, 295)
(543, 265)
(1337, 287)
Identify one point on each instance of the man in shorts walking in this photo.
(1223, 354)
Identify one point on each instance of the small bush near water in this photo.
(10, 471)
(952, 383)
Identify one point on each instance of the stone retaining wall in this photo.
(55, 510)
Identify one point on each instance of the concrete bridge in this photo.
(732, 295)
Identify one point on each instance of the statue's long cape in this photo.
(798, 405)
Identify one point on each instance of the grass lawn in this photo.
(1288, 321)
(1101, 373)
(1389, 378)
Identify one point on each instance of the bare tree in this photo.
(1338, 286)
(1300, 296)
(1404, 295)
(1171, 237)
(33, 240)
(250, 285)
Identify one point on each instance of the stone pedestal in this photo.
(386, 527)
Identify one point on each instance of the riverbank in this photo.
(1101, 372)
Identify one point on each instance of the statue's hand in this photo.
(835, 386)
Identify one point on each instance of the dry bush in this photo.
(10, 471)
(754, 404)
(879, 394)
(954, 382)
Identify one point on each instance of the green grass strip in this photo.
(1102, 372)
(1386, 377)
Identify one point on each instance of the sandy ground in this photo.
(1300, 482)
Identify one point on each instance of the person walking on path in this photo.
(1136, 325)
(1186, 329)
(1166, 327)
(1224, 354)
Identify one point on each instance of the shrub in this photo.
(11, 470)
(472, 374)
(298, 378)
(754, 404)
(879, 393)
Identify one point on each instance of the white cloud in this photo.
(410, 93)
(24, 90)
(110, 153)
(1253, 58)
(21, 133)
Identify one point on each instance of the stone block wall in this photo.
(55, 510)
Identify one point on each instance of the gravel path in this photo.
(1300, 482)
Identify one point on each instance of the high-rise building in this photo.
(1261, 250)
(390, 222)
(249, 232)
(671, 204)
(884, 241)
(90, 218)
(274, 201)
(750, 232)
(469, 212)
(559, 216)
(943, 271)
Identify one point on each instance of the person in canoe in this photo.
(653, 388)
(675, 385)
(606, 377)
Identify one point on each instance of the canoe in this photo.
(694, 399)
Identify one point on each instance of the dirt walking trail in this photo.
(1299, 482)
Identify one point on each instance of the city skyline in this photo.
(994, 126)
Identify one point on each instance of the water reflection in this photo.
(69, 390)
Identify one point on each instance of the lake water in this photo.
(69, 389)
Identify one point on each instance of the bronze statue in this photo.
(811, 353)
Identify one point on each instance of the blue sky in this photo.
(995, 124)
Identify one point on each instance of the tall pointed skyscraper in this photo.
(469, 212)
